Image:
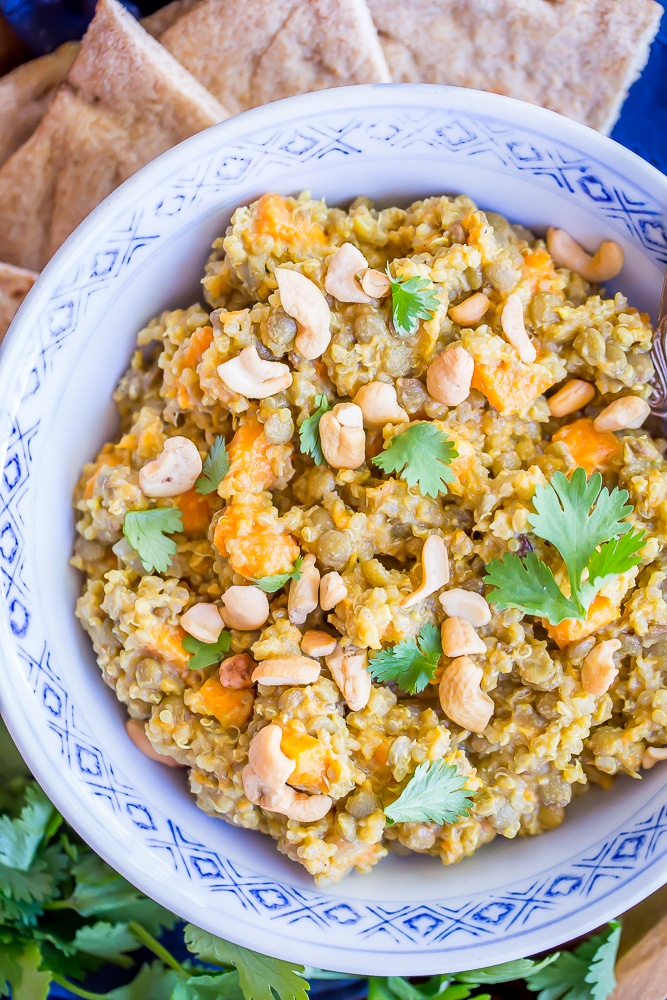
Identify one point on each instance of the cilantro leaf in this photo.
(107, 941)
(421, 455)
(529, 585)
(436, 988)
(411, 663)
(153, 982)
(585, 974)
(20, 838)
(261, 978)
(412, 299)
(209, 987)
(31, 984)
(40, 881)
(506, 972)
(10, 968)
(616, 556)
(206, 653)
(270, 584)
(436, 792)
(309, 431)
(216, 467)
(147, 530)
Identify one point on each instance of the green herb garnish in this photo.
(421, 455)
(584, 522)
(411, 663)
(206, 653)
(147, 530)
(412, 299)
(436, 793)
(309, 432)
(587, 973)
(270, 584)
(216, 467)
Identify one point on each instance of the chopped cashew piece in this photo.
(470, 311)
(303, 592)
(342, 269)
(287, 671)
(244, 608)
(285, 800)
(174, 471)
(461, 695)
(136, 730)
(249, 375)
(652, 756)
(459, 603)
(573, 396)
(435, 570)
(598, 670)
(379, 405)
(460, 639)
(266, 758)
(203, 621)
(236, 671)
(348, 669)
(342, 436)
(305, 302)
(624, 413)
(448, 378)
(603, 265)
(375, 283)
(332, 590)
(317, 643)
(514, 328)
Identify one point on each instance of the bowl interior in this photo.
(144, 251)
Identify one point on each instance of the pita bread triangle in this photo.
(15, 283)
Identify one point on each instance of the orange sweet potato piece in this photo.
(197, 510)
(592, 450)
(200, 340)
(250, 470)
(167, 644)
(539, 273)
(273, 215)
(230, 706)
(108, 456)
(509, 387)
(602, 612)
(311, 758)
(246, 539)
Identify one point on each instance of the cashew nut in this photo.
(304, 302)
(574, 395)
(623, 413)
(342, 436)
(603, 265)
(245, 608)
(203, 621)
(136, 730)
(375, 283)
(249, 375)
(266, 758)
(652, 756)
(303, 592)
(598, 671)
(448, 378)
(379, 405)
(460, 639)
(461, 695)
(348, 669)
(470, 311)
(459, 603)
(342, 269)
(514, 328)
(317, 643)
(297, 806)
(236, 671)
(332, 590)
(174, 471)
(286, 671)
(435, 570)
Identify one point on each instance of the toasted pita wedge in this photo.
(156, 24)
(125, 101)
(249, 52)
(574, 56)
(15, 283)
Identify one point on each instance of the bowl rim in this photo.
(385, 96)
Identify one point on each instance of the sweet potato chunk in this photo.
(197, 510)
(167, 644)
(601, 612)
(250, 535)
(276, 216)
(230, 706)
(311, 758)
(592, 450)
(510, 386)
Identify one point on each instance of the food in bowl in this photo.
(379, 553)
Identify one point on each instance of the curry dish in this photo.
(294, 550)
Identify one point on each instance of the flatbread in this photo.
(156, 24)
(574, 56)
(250, 52)
(26, 92)
(125, 101)
(15, 283)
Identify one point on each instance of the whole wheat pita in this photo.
(249, 52)
(15, 283)
(156, 24)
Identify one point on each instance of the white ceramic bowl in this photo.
(143, 250)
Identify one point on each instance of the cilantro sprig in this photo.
(270, 584)
(216, 467)
(411, 663)
(412, 299)
(584, 522)
(587, 973)
(309, 432)
(436, 793)
(204, 654)
(422, 456)
(147, 530)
